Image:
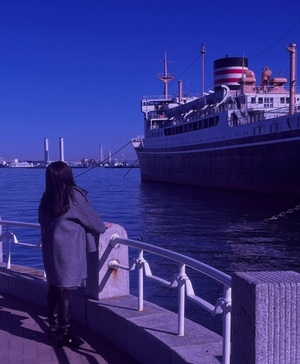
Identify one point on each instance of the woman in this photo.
(69, 229)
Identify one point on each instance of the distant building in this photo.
(2, 162)
(15, 163)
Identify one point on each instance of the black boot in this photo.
(65, 338)
(52, 303)
(53, 326)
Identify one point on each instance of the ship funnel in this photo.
(228, 70)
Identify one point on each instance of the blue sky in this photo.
(77, 68)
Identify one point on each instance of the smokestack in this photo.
(46, 150)
(101, 153)
(61, 150)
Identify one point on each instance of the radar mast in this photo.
(166, 77)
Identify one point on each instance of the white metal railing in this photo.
(182, 282)
(9, 237)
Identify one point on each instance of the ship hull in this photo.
(264, 164)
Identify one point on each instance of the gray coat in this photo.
(66, 240)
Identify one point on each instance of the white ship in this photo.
(245, 135)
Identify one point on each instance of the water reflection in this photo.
(223, 229)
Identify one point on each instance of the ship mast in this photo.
(202, 51)
(292, 49)
(166, 77)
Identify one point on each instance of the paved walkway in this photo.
(23, 340)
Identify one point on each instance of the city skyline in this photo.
(79, 69)
(47, 151)
(102, 158)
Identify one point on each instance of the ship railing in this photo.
(154, 100)
(180, 280)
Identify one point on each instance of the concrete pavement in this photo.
(23, 339)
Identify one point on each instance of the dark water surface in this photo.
(222, 229)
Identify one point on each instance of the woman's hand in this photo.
(108, 225)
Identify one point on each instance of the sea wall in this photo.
(265, 324)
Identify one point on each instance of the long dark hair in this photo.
(59, 183)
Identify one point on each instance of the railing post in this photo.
(141, 282)
(102, 281)
(227, 325)
(8, 259)
(181, 300)
(1, 245)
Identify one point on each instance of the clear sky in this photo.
(77, 69)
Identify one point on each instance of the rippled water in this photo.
(222, 229)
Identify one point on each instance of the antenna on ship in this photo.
(166, 77)
(202, 51)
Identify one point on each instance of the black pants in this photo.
(59, 301)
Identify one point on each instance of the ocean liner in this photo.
(244, 135)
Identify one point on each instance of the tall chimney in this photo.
(46, 150)
(101, 153)
(61, 150)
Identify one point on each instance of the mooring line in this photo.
(130, 168)
(105, 160)
(282, 214)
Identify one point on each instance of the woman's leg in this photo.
(53, 303)
(64, 315)
(65, 302)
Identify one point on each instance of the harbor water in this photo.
(221, 229)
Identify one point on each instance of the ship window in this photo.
(276, 128)
(253, 100)
(287, 100)
(282, 100)
(196, 125)
(268, 102)
(259, 130)
(260, 100)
